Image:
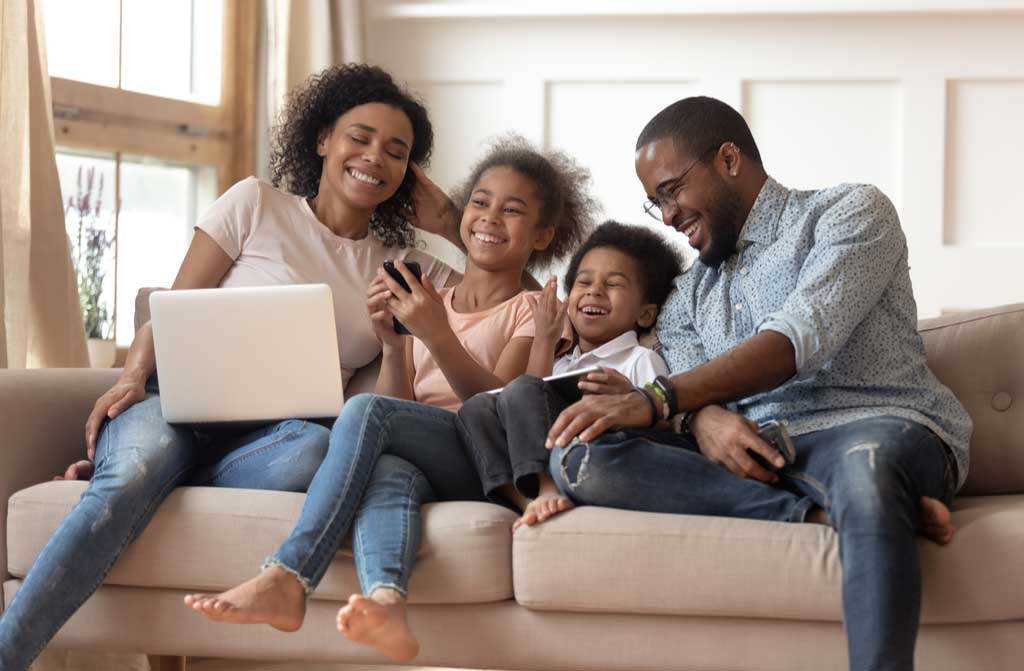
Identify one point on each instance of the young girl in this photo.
(390, 454)
(616, 283)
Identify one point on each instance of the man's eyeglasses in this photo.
(653, 207)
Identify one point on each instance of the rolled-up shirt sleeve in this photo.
(858, 244)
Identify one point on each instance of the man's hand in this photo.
(724, 437)
(595, 414)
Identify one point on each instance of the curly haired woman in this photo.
(346, 155)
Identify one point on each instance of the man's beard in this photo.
(723, 227)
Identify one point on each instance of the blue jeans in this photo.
(386, 458)
(868, 475)
(139, 460)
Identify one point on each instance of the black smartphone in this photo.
(775, 434)
(396, 275)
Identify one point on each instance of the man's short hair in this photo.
(699, 124)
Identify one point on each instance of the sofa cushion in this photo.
(209, 539)
(977, 354)
(604, 560)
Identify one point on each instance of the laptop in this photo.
(247, 355)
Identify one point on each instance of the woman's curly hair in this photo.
(562, 187)
(313, 107)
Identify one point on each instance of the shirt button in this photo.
(743, 270)
(739, 307)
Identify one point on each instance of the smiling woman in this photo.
(343, 151)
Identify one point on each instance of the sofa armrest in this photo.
(42, 428)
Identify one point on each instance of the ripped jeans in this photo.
(139, 460)
(868, 475)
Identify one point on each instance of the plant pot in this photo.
(101, 352)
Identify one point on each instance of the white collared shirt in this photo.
(640, 364)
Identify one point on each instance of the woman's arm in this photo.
(204, 266)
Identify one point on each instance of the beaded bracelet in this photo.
(660, 394)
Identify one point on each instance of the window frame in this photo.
(95, 118)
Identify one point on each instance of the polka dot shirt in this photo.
(828, 270)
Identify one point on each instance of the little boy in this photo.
(616, 281)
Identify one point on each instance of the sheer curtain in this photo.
(42, 324)
(298, 38)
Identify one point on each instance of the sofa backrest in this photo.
(980, 356)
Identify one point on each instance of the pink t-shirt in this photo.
(274, 238)
(484, 334)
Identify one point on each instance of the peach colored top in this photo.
(274, 238)
(484, 335)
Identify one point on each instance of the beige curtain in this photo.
(42, 324)
(299, 37)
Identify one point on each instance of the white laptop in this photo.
(250, 354)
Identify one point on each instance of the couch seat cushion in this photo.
(603, 560)
(209, 539)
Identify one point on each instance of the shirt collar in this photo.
(625, 341)
(764, 216)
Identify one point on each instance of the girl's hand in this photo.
(608, 381)
(433, 210)
(381, 319)
(420, 310)
(548, 313)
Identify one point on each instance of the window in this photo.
(141, 106)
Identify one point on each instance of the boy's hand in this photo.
(548, 313)
(420, 310)
(608, 381)
(381, 319)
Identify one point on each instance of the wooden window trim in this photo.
(90, 116)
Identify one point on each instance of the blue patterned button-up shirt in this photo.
(828, 270)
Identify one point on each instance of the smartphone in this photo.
(396, 275)
(775, 434)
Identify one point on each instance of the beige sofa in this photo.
(592, 589)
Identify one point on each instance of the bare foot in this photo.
(274, 597)
(549, 502)
(379, 624)
(936, 521)
(80, 470)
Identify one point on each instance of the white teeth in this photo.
(593, 310)
(487, 238)
(363, 177)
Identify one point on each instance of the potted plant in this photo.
(91, 244)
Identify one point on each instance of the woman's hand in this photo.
(433, 211)
(548, 314)
(80, 470)
(420, 310)
(607, 381)
(123, 395)
(381, 319)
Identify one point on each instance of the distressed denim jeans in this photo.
(387, 457)
(139, 459)
(868, 475)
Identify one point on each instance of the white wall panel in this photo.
(814, 134)
(984, 193)
(598, 123)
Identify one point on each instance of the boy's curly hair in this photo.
(313, 107)
(657, 260)
(562, 187)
